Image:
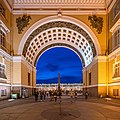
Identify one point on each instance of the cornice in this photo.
(4, 26)
(5, 54)
(77, 7)
(111, 4)
(23, 60)
(56, 3)
(8, 4)
(114, 54)
(95, 60)
(64, 12)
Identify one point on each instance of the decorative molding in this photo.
(22, 22)
(51, 7)
(60, 44)
(20, 85)
(96, 85)
(54, 12)
(3, 84)
(8, 4)
(59, 3)
(22, 60)
(111, 4)
(96, 22)
(17, 59)
(65, 19)
(114, 54)
(95, 60)
(4, 27)
(116, 25)
(62, 26)
(114, 84)
(5, 54)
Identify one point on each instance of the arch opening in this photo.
(62, 60)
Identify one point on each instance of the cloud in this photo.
(51, 67)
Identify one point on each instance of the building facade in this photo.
(91, 28)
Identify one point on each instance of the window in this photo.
(115, 92)
(2, 10)
(2, 71)
(2, 38)
(3, 92)
(28, 78)
(89, 78)
(116, 39)
(3, 35)
(116, 9)
(116, 68)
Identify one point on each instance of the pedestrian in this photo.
(75, 95)
(41, 95)
(71, 95)
(44, 94)
(55, 95)
(36, 95)
(86, 95)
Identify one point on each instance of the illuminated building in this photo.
(91, 28)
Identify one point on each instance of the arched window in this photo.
(3, 35)
(116, 39)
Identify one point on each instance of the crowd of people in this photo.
(53, 94)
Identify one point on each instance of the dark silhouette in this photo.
(36, 95)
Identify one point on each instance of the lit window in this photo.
(3, 34)
(3, 92)
(116, 68)
(28, 78)
(2, 71)
(2, 38)
(116, 39)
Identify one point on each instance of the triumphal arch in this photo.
(90, 28)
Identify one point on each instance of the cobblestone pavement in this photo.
(80, 109)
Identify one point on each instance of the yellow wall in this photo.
(8, 70)
(34, 77)
(110, 75)
(102, 73)
(24, 75)
(16, 73)
(94, 74)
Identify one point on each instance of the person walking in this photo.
(36, 95)
(75, 95)
(41, 95)
(86, 95)
(71, 95)
(55, 95)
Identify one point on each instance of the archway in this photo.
(59, 31)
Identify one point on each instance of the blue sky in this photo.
(62, 60)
